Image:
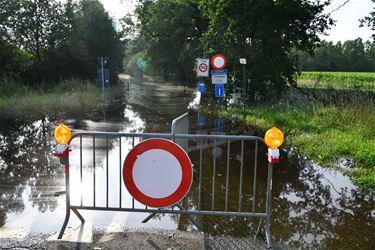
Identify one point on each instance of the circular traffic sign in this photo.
(219, 62)
(203, 67)
(157, 173)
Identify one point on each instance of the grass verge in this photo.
(72, 96)
(326, 134)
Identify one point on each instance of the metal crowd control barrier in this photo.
(221, 201)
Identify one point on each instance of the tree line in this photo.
(350, 56)
(50, 40)
(171, 34)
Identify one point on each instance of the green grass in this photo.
(65, 97)
(338, 80)
(325, 134)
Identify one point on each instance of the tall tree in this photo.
(369, 20)
(265, 32)
(171, 30)
(12, 60)
(94, 36)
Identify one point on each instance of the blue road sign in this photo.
(219, 124)
(219, 90)
(201, 120)
(219, 72)
(202, 87)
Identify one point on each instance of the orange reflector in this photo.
(274, 138)
(62, 134)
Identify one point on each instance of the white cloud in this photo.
(347, 17)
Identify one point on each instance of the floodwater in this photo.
(313, 207)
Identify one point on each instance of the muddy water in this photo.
(312, 207)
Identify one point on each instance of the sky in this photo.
(347, 25)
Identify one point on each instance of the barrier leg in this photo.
(268, 233)
(269, 206)
(67, 199)
(67, 216)
(260, 227)
(78, 215)
(67, 196)
(149, 217)
(192, 220)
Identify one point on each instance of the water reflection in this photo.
(25, 166)
(30, 175)
(312, 207)
(321, 207)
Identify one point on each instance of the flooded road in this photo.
(313, 207)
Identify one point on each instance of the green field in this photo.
(338, 80)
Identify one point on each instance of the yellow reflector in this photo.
(62, 134)
(274, 138)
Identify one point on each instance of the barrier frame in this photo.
(264, 217)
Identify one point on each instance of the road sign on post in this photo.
(219, 76)
(219, 90)
(219, 62)
(103, 77)
(203, 67)
(158, 173)
(103, 74)
(202, 87)
(243, 61)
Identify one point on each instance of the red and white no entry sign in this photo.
(157, 173)
(219, 62)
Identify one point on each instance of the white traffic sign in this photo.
(243, 61)
(219, 62)
(203, 67)
(157, 173)
(219, 76)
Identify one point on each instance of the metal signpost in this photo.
(243, 62)
(219, 75)
(203, 69)
(103, 74)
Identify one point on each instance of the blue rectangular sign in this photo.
(219, 72)
(219, 90)
(202, 87)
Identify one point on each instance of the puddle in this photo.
(313, 207)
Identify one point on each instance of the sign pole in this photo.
(102, 63)
(244, 80)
